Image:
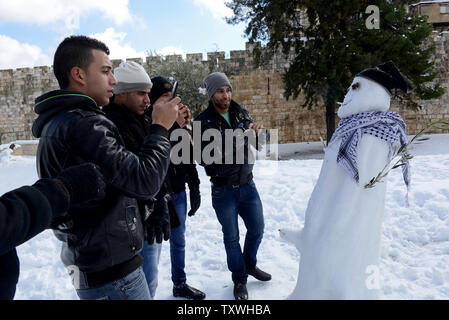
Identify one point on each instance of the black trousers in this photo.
(9, 274)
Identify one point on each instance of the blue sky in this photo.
(30, 30)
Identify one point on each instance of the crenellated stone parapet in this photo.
(259, 89)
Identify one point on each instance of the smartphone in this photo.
(174, 90)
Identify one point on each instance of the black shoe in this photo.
(259, 274)
(186, 291)
(240, 291)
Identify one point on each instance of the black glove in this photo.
(82, 183)
(158, 223)
(195, 200)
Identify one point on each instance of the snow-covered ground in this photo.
(415, 241)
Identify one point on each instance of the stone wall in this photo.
(18, 90)
(259, 90)
(436, 109)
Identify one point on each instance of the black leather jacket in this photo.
(133, 129)
(234, 173)
(73, 130)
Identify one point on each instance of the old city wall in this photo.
(18, 90)
(260, 90)
(435, 109)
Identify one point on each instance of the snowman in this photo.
(340, 243)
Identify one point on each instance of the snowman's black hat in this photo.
(389, 76)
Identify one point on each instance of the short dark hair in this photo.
(74, 51)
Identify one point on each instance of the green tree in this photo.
(190, 77)
(328, 42)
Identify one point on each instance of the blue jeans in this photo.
(229, 203)
(178, 241)
(131, 287)
(151, 253)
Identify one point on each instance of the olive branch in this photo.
(401, 154)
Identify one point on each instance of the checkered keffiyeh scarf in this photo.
(387, 126)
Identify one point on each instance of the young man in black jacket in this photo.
(101, 244)
(29, 210)
(166, 218)
(233, 190)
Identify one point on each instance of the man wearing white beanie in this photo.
(131, 76)
(133, 87)
(127, 111)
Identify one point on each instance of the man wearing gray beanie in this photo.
(234, 192)
(214, 81)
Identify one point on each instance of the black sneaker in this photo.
(259, 274)
(186, 291)
(240, 291)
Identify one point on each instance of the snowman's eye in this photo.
(355, 86)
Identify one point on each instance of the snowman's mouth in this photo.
(345, 103)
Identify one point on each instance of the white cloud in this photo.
(217, 8)
(118, 48)
(62, 13)
(170, 50)
(16, 55)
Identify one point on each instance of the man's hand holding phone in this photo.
(184, 116)
(165, 113)
(256, 127)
